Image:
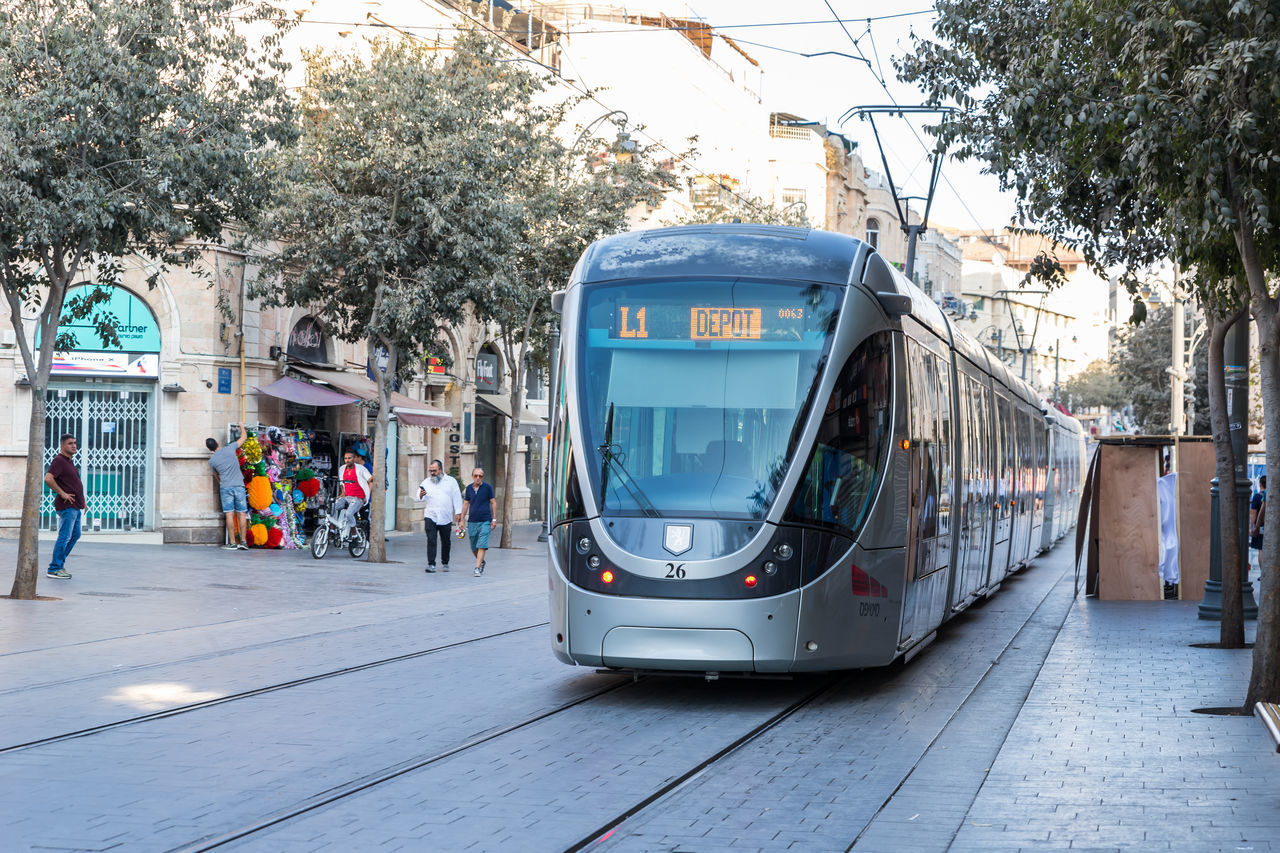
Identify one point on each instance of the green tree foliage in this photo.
(129, 128)
(1130, 131)
(567, 195)
(1095, 387)
(393, 214)
(1141, 362)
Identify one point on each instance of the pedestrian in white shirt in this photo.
(442, 512)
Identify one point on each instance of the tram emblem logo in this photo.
(678, 538)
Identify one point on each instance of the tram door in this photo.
(112, 426)
(1004, 497)
(927, 588)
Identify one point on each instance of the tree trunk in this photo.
(28, 569)
(508, 498)
(517, 406)
(1231, 629)
(1264, 682)
(378, 500)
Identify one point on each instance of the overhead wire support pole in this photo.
(912, 230)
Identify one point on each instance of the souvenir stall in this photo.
(282, 485)
(290, 475)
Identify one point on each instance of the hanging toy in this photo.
(259, 534)
(252, 450)
(260, 493)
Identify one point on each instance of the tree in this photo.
(1142, 360)
(127, 128)
(1161, 141)
(569, 195)
(1095, 387)
(392, 215)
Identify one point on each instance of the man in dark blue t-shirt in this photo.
(1257, 515)
(478, 508)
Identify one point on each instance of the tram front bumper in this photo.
(756, 635)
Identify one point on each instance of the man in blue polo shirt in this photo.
(478, 506)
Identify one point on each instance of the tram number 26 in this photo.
(675, 571)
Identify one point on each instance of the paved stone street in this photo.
(275, 702)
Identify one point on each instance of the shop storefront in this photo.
(106, 397)
(314, 405)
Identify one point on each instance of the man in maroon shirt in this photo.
(64, 479)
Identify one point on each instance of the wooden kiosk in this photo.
(1120, 516)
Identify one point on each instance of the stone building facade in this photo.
(143, 410)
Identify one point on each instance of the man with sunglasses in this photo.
(478, 508)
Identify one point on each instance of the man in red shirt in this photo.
(353, 492)
(64, 479)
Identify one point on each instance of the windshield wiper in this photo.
(611, 458)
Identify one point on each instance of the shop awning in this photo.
(305, 393)
(530, 423)
(407, 410)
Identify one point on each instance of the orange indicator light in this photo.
(749, 580)
(606, 576)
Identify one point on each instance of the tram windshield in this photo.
(692, 391)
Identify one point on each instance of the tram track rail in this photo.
(258, 691)
(387, 774)
(604, 832)
(598, 835)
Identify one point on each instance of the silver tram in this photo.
(772, 453)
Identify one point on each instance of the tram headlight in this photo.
(784, 552)
(593, 561)
(770, 567)
(584, 545)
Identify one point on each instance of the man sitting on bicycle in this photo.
(354, 480)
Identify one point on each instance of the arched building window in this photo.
(873, 233)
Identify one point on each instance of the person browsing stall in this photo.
(230, 485)
(478, 508)
(443, 511)
(353, 493)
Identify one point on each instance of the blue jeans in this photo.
(68, 535)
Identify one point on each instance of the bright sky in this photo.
(823, 88)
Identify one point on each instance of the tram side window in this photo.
(841, 473)
(943, 386)
(924, 428)
(566, 492)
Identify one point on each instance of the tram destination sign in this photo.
(705, 322)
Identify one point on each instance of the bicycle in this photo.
(327, 530)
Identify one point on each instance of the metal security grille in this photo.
(113, 431)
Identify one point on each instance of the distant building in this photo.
(1043, 335)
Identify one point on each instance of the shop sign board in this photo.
(135, 365)
(306, 341)
(136, 326)
(486, 372)
(224, 380)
